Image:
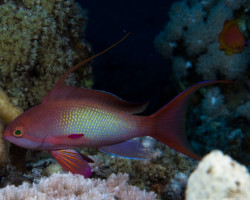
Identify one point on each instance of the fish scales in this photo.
(98, 123)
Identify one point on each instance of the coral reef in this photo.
(39, 41)
(209, 129)
(218, 177)
(34, 61)
(68, 186)
(219, 118)
(42, 39)
(190, 39)
(153, 174)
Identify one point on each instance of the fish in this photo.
(231, 39)
(69, 118)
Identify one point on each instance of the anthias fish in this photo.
(231, 38)
(71, 117)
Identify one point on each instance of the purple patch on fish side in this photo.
(75, 136)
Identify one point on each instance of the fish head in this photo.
(25, 131)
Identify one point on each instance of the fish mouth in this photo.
(22, 142)
(8, 138)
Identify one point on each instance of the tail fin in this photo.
(169, 121)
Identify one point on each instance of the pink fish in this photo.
(70, 118)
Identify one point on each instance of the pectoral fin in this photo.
(73, 161)
(130, 149)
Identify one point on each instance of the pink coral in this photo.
(69, 186)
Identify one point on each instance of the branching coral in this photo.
(39, 41)
(68, 186)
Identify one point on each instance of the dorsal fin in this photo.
(63, 92)
(70, 93)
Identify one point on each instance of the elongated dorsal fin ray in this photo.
(62, 92)
(59, 83)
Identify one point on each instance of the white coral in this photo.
(215, 62)
(218, 177)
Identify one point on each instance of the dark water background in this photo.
(132, 70)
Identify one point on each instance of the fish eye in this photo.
(18, 132)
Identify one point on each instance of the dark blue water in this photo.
(131, 70)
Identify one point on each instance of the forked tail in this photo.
(169, 121)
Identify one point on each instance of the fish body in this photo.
(89, 124)
(70, 117)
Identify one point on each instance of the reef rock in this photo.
(39, 41)
(218, 177)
